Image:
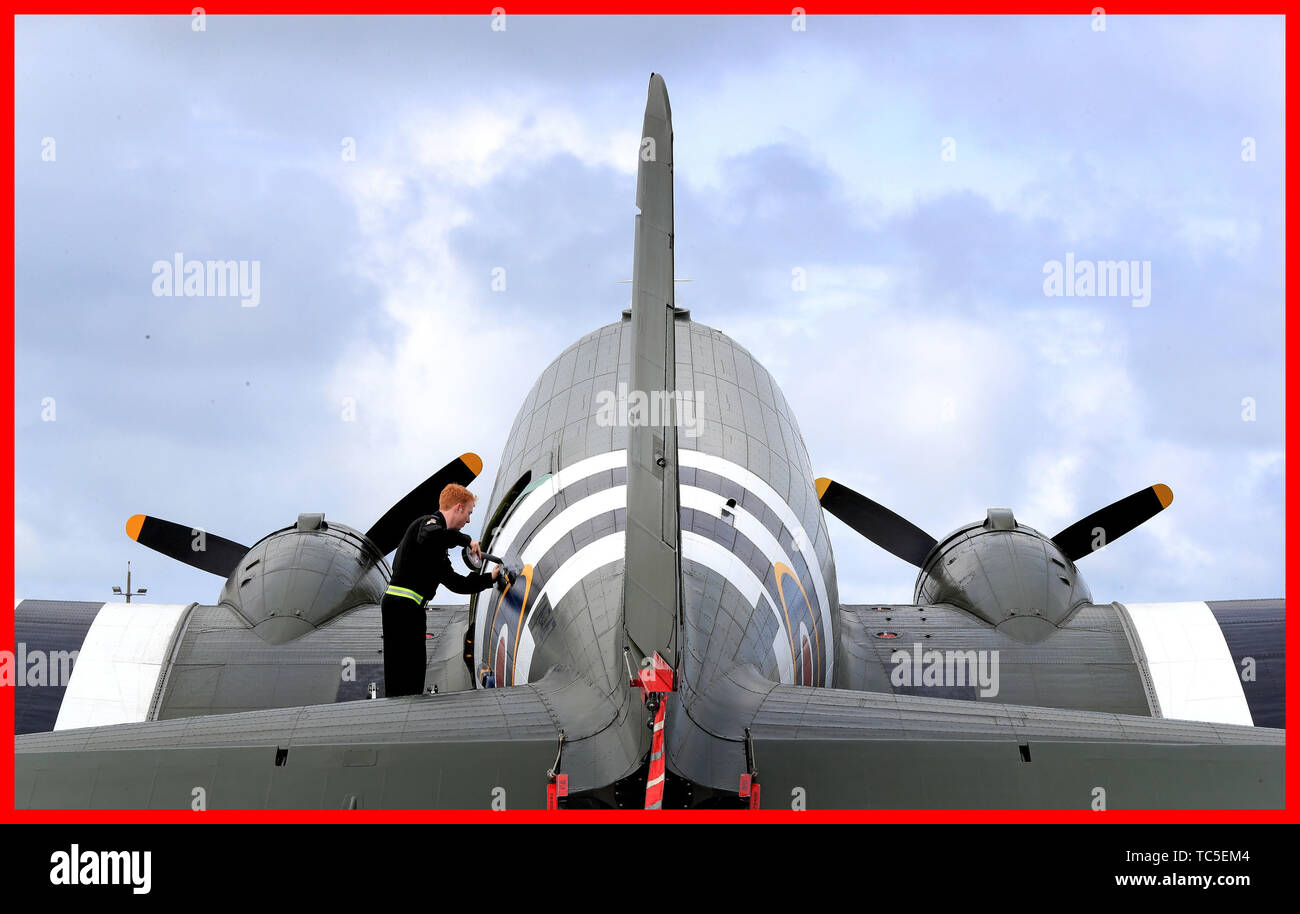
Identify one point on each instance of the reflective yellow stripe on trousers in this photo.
(404, 592)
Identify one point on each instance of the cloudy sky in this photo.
(920, 172)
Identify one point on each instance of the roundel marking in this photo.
(527, 575)
(510, 617)
(501, 657)
(783, 572)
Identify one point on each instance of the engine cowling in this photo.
(1006, 574)
(296, 579)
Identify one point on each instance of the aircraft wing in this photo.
(490, 748)
(835, 749)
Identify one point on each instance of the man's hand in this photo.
(496, 569)
(476, 551)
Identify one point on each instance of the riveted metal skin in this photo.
(1013, 578)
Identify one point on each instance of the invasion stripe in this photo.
(751, 481)
(561, 576)
(120, 664)
(55, 628)
(539, 532)
(1189, 662)
(549, 489)
(1255, 632)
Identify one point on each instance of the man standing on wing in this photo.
(421, 564)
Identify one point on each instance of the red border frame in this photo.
(661, 7)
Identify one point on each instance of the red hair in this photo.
(454, 495)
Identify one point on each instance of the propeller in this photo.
(205, 551)
(387, 532)
(912, 544)
(220, 556)
(876, 522)
(1113, 521)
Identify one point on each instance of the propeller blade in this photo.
(203, 550)
(1113, 521)
(877, 523)
(387, 532)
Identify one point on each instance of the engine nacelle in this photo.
(1009, 575)
(295, 580)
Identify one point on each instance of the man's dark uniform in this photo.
(421, 564)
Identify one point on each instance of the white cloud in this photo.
(1237, 238)
(427, 391)
(473, 146)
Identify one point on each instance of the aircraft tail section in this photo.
(652, 576)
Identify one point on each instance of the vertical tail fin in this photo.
(652, 574)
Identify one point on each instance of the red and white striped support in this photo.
(657, 681)
(654, 785)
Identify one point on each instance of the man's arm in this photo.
(438, 541)
(464, 583)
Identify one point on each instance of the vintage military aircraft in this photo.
(673, 635)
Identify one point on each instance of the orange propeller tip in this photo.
(133, 526)
(1164, 493)
(823, 483)
(473, 461)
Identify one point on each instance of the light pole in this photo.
(118, 590)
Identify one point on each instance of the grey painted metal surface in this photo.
(447, 774)
(1008, 575)
(222, 667)
(940, 774)
(873, 739)
(514, 729)
(652, 572)
(297, 579)
(1087, 665)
